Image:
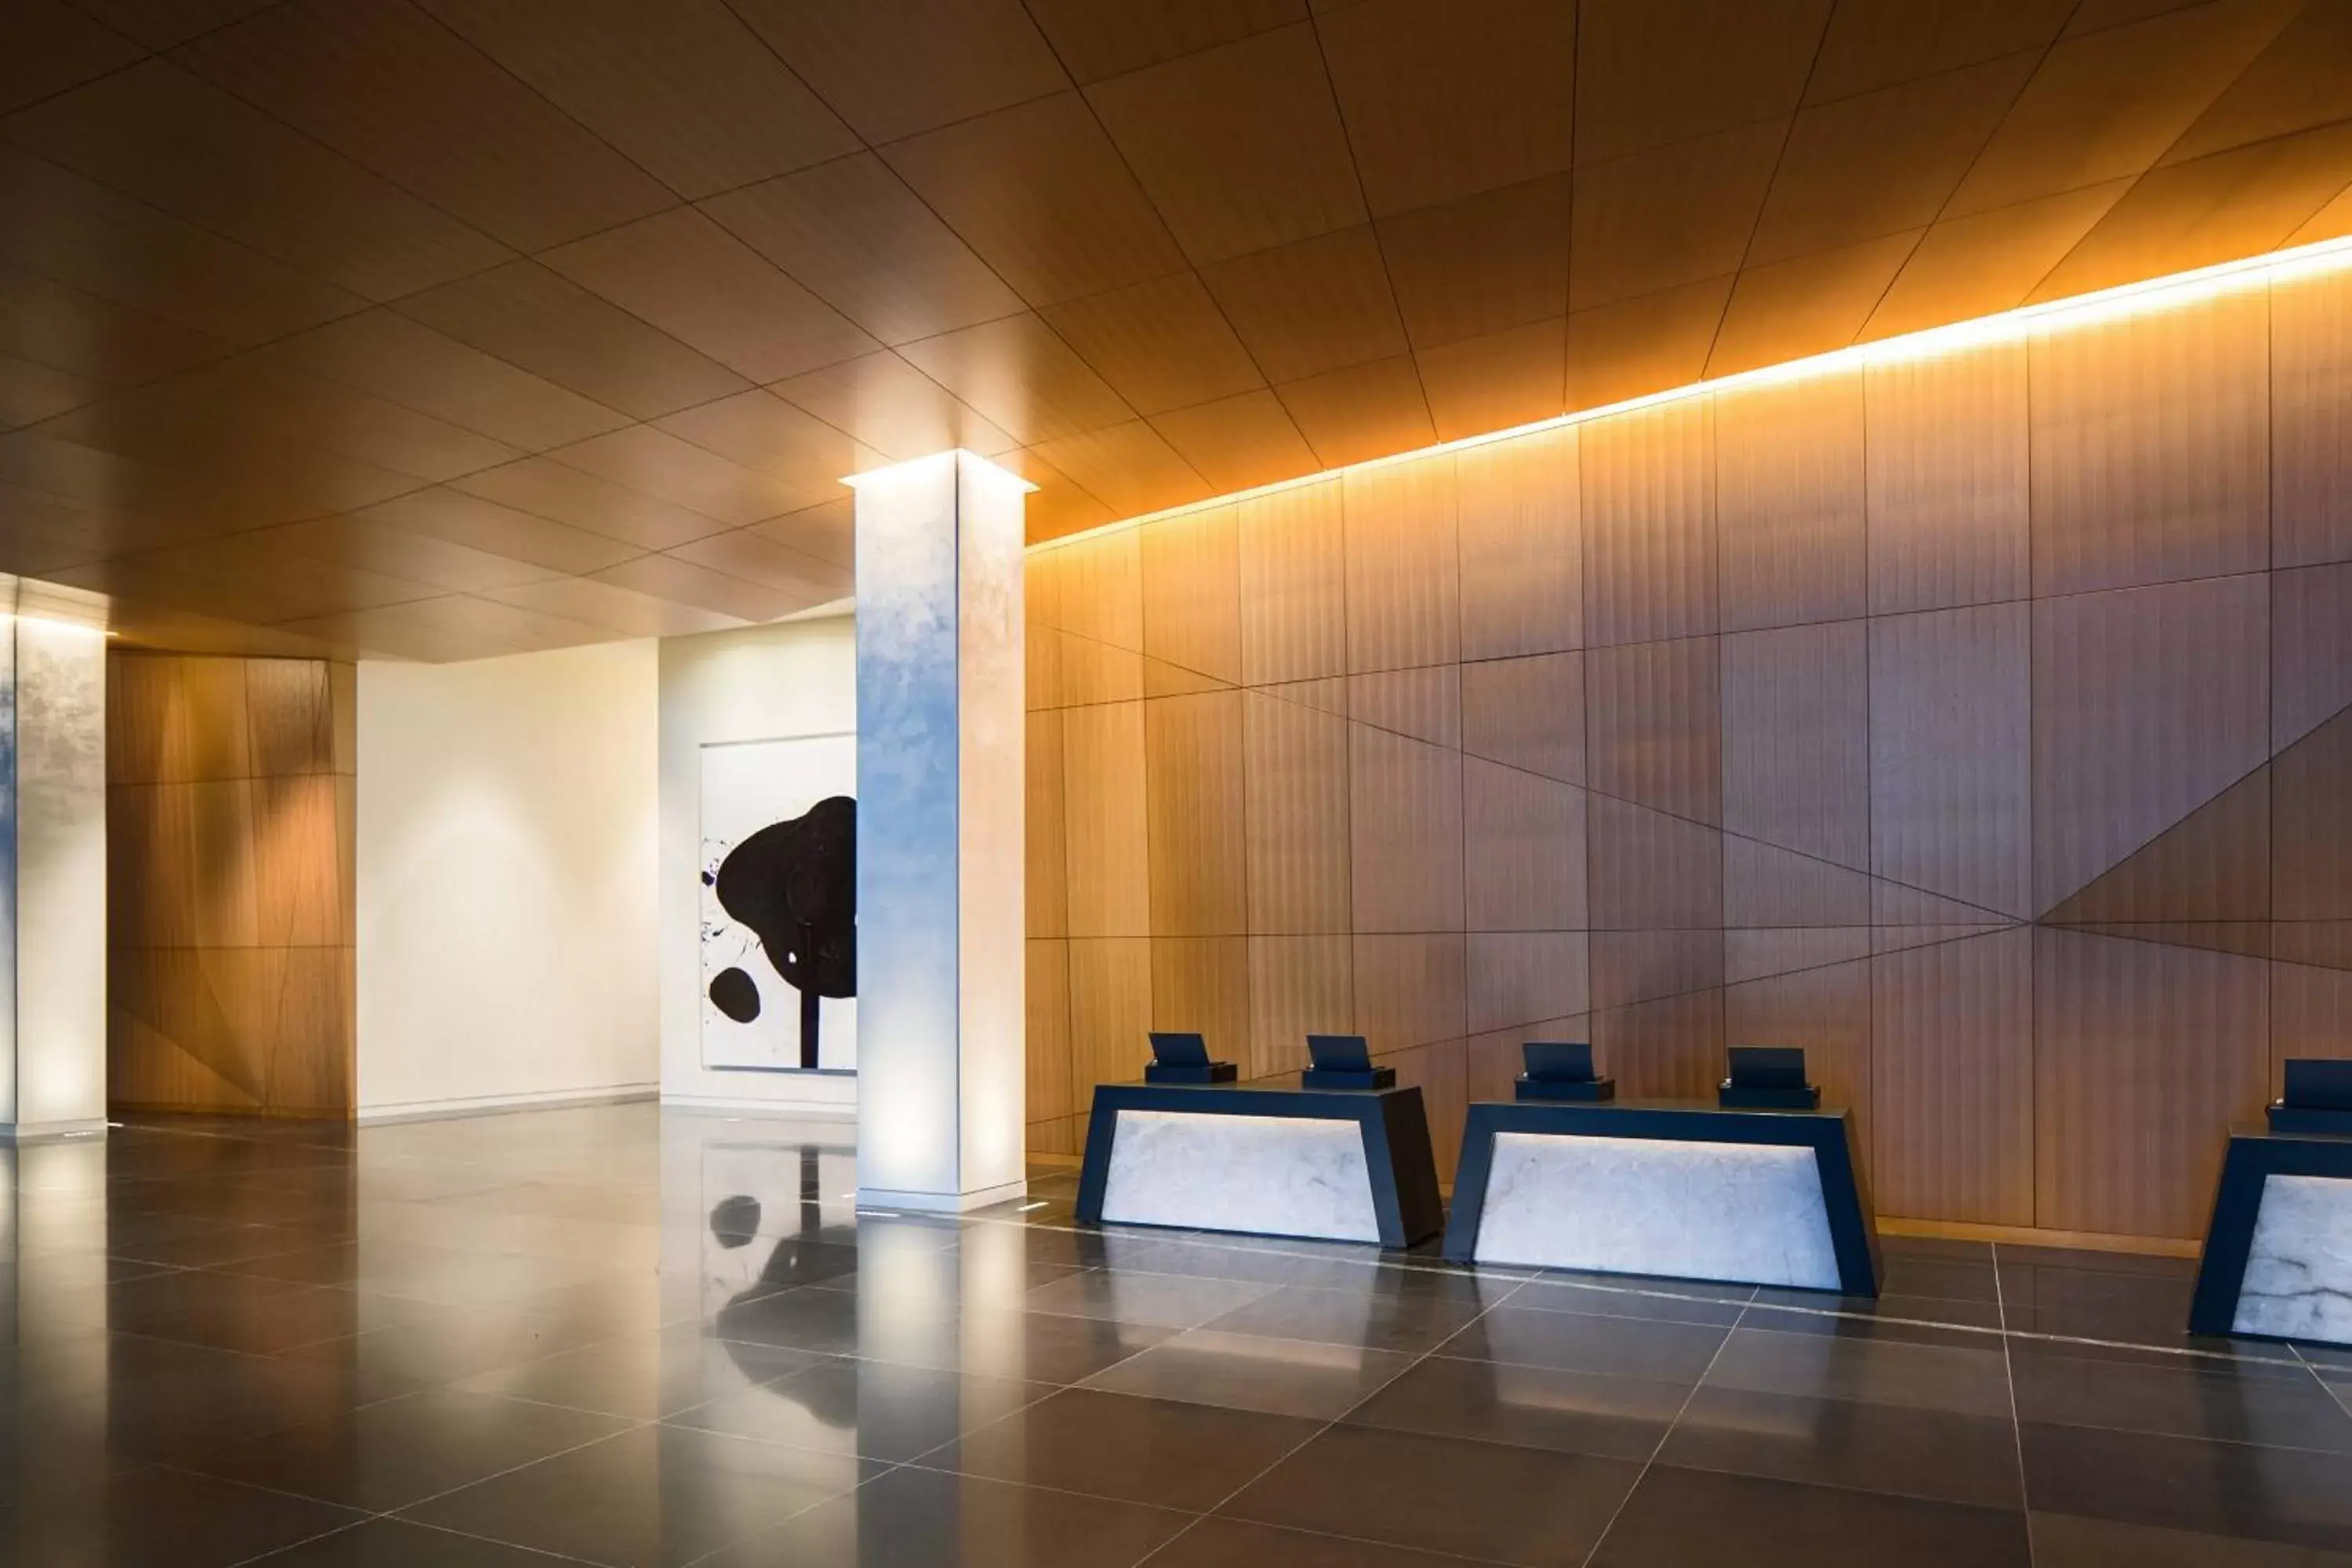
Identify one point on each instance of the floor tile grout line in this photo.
(1665, 1438)
(2009, 1382)
(1326, 1426)
(2318, 1376)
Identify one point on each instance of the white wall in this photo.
(506, 866)
(795, 678)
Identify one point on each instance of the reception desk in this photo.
(1674, 1188)
(2278, 1253)
(1331, 1164)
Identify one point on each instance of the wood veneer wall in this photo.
(229, 884)
(1978, 723)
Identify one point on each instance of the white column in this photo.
(940, 973)
(52, 878)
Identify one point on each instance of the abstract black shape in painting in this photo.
(795, 884)
(737, 994)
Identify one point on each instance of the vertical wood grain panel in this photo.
(1108, 851)
(1192, 592)
(1404, 823)
(1441, 1072)
(1520, 978)
(1796, 740)
(1294, 569)
(1295, 765)
(1654, 729)
(1195, 813)
(1299, 985)
(1952, 1027)
(1048, 1055)
(1527, 713)
(1522, 546)
(1788, 502)
(1523, 851)
(2311, 412)
(1648, 518)
(1410, 990)
(1947, 480)
(1405, 592)
(1203, 983)
(2150, 446)
(2311, 649)
(2311, 825)
(1110, 1013)
(1045, 883)
(1824, 1011)
(1650, 871)
(1668, 1049)
(2141, 1051)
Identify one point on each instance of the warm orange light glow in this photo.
(875, 475)
(2151, 295)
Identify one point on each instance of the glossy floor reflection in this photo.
(624, 1337)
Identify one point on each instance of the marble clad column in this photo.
(52, 873)
(940, 907)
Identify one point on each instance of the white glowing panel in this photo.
(1751, 1214)
(2298, 1281)
(773, 809)
(1267, 1175)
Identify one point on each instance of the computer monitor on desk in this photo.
(1181, 1057)
(1343, 1062)
(2318, 1097)
(1767, 1077)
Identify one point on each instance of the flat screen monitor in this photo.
(1558, 1061)
(1768, 1067)
(1179, 1049)
(1338, 1053)
(2315, 1083)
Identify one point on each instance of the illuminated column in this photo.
(940, 1011)
(52, 878)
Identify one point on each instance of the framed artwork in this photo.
(779, 904)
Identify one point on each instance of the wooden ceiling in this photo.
(437, 328)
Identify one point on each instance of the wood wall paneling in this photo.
(1522, 548)
(1796, 740)
(2311, 415)
(1295, 768)
(1403, 591)
(1648, 519)
(1294, 576)
(1953, 1027)
(1788, 502)
(1404, 821)
(1196, 819)
(1947, 483)
(1107, 852)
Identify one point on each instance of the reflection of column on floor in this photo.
(940, 858)
(52, 873)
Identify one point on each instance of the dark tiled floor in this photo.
(620, 1337)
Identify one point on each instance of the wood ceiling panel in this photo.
(827, 532)
(702, 587)
(1645, 344)
(390, 88)
(54, 47)
(763, 433)
(1989, 262)
(1237, 442)
(892, 71)
(110, 485)
(855, 236)
(1810, 305)
(681, 272)
(614, 608)
(1042, 196)
(1057, 506)
(1495, 381)
(1161, 344)
(282, 586)
(887, 404)
(453, 626)
(1650, 72)
(30, 392)
(56, 224)
(543, 323)
(38, 521)
(682, 89)
(481, 524)
(1240, 147)
(559, 492)
(1869, 166)
(1364, 411)
(1020, 377)
(2106, 104)
(408, 363)
(1317, 305)
(2233, 203)
(2302, 81)
(654, 462)
(158, 133)
(372, 544)
(1443, 101)
(1129, 467)
(160, 23)
(224, 468)
(50, 323)
(1095, 40)
(1671, 216)
(754, 555)
(1479, 266)
(1873, 44)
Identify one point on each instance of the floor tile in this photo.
(1250, 1372)
(883, 1410)
(1219, 1542)
(2070, 1541)
(1150, 1451)
(385, 1457)
(1155, 1300)
(2236, 1403)
(1971, 1379)
(1677, 1518)
(923, 1519)
(651, 1495)
(1933, 1454)
(1628, 1296)
(1500, 1503)
(1536, 1408)
(1037, 1347)
(165, 1518)
(1628, 1347)
(644, 1376)
(1413, 1321)
(2288, 1495)
(395, 1543)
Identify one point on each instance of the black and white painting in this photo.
(779, 904)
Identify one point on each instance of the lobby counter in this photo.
(2278, 1254)
(1328, 1165)
(1674, 1188)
